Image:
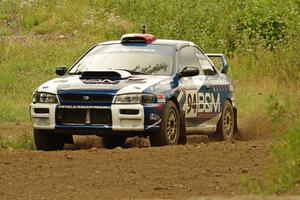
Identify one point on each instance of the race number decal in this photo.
(191, 106)
(201, 103)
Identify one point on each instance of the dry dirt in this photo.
(200, 168)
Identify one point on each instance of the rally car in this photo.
(136, 86)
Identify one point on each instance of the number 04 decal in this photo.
(191, 106)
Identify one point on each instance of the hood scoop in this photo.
(110, 75)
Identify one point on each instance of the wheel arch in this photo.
(174, 100)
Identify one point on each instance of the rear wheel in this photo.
(48, 140)
(225, 127)
(113, 141)
(170, 127)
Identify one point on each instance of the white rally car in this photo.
(136, 86)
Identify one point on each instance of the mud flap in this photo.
(235, 121)
(182, 136)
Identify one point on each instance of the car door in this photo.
(191, 87)
(214, 93)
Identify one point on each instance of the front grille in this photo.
(99, 98)
(100, 116)
(71, 116)
(79, 116)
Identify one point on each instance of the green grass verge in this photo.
(25, 64)
(284, 172)
(24, 142)
(286, 150)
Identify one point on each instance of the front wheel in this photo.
(48, 140)
(225, 127)
(170, 127)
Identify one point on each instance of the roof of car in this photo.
(175, 43)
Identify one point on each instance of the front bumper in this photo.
(127, 122)
(122, 119)
(41, 119)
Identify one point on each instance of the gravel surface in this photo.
(180, 172)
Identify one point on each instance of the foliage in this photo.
(228, 26)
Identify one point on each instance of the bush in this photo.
(228, 26)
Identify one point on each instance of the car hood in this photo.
(131, 84)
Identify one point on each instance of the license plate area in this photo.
(72, 115)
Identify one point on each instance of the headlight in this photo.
(42, 97)
(134, 98)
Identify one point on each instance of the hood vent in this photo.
(111, 75)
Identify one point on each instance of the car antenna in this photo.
(143, 28)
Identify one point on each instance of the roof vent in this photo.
(138, 38)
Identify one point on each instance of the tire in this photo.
(170, 127)
(48, 140)
(226, 124)
(114, 141)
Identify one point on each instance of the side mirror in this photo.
(219, 60)
(60, 71)
(189, 71)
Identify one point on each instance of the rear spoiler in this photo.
(223, 59)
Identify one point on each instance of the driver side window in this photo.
(188, 58)
(207, 68)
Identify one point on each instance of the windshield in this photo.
(134, 58)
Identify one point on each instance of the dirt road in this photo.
(180, 172)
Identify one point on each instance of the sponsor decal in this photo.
(208, 103)
(154, 117)
(85, 98)
(100, 81)
(156, 123)
(155, 87)
(82, 107)
(161, 98)
(201, 103)
(113, 50)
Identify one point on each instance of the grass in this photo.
(261, 39)
(286, 150)
(284, 173)
(25, 64)
(24, 141)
